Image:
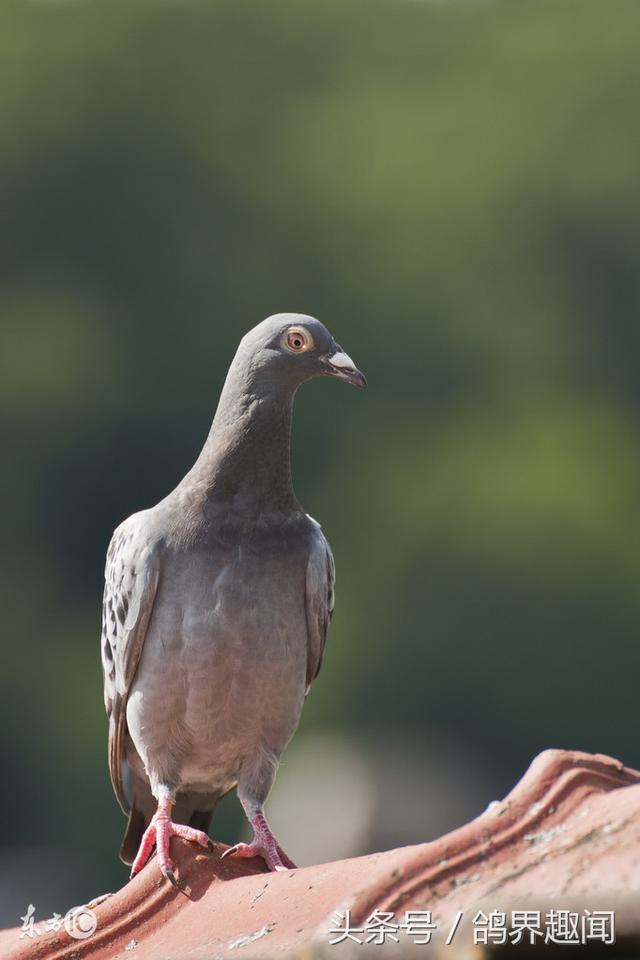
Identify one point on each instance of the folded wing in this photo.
(319, 600)
(131, 581)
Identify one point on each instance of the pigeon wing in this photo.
(319, 600)
(131, 581)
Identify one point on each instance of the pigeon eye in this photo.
(298, 340)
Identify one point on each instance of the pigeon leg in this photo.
(263, 844)
(159, 833)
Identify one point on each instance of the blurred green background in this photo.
(454, 189)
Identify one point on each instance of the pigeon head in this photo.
(289, 348)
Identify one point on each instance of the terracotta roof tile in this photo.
(567, 836)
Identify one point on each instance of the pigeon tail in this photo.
(136, 826)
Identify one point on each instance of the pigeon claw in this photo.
(173, 880)
(158, 834)
(273, 855)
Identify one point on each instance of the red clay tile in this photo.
(568, 834)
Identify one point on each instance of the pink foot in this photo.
(264, 845)
(158, 834)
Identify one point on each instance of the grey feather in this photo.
(319, 601)
(131, 580)
(217, 601)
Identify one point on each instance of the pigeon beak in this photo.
(342, 366)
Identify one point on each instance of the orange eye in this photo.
(298, 340)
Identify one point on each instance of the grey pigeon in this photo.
(216, 608)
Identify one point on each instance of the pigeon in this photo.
(216, 609)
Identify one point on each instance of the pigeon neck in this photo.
(245, 461)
